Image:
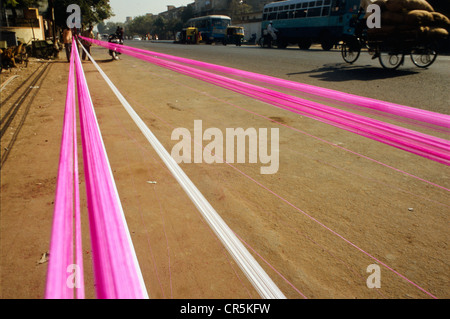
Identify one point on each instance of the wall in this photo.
(26, 33)
(250, 28)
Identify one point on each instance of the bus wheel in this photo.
(304, 44)
(282, 44)
(327, 44)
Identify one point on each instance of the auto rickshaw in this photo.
(234, 35)
(190, 35)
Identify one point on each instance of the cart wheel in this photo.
(423, 58)
(391, 61)
(350, 53)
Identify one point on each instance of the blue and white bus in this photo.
(304, 22)
(212, 28)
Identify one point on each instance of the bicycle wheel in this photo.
(423, 58)
(350, 53)
(390, 60)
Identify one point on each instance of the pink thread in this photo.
(387, 107)
(417, 143)
(316, 221)
(61, 243)
(143, 150)
(437, 141)
(332, 231)
(327, 142)
(116, 272)
(80, 291)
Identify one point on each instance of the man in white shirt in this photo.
(272, 31)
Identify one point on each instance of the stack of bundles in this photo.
(410, 19)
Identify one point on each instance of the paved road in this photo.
(409, 85)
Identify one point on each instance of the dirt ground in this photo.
(315, 226)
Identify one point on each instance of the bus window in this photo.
(292, 6)
(327, 2)
(319, 3)
(282, 15)
(266, 9)
(311, 4)
(272, 16)
(264, 16)
(220, 23)
(275, 9)
(325, 11)
(314, 12)
(270, 9)
(286, 7)
(300, 13)
(305, 5)
(298, 6)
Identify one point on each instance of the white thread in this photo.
(254, 272)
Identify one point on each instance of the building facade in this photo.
(172, 12)
(24, 25)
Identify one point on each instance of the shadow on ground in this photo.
(339, 72)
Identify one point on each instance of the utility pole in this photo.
(52, 12)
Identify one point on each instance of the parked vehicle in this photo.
(304, 22)
(188, 35)
(212, 28)
(234, 35)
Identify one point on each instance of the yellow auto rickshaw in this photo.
(191, 35)
(234, 35)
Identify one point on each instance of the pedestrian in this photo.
(271, 30)
(87, 45)
(67, 38)
(119, 33)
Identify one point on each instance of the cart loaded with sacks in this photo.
(408, 27)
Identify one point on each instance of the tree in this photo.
(22, 3)
(109, 27)
(238, 8)
(187, 13)
(173, 26)
(160, 26)
(140, 25)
